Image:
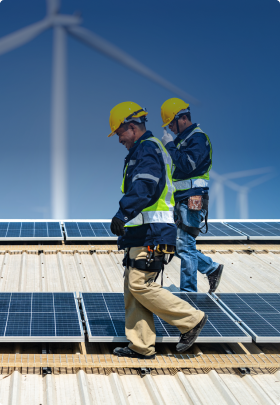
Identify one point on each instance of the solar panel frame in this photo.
(24, 231)
(244, 336)
(243, 319)
(89, 231)
(21, 318)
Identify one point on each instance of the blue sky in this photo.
(226, 54)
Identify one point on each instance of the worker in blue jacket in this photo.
(191, 153)
(146, 230)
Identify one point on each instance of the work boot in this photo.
(187, 339)
(215, 278)
(127, 352)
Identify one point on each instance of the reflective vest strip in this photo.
(181, 185)
(193, 182)
(148, 215)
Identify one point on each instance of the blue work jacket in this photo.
(195, 153)
(141, 193)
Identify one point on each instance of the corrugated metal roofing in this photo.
(250, 268)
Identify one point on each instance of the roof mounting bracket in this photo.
(144, 371)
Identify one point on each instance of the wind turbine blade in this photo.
(53, 6)
(21, 37)
(260, 180)
(247, 173)
(113, 52)
(214, 175)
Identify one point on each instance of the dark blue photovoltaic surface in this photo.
(257, 229)
(38, 314)
(260, 312)
(219, 229)
(30, 230)
(106, 316)
(88, 229)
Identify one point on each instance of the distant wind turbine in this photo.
(63, 24)
(220, 181)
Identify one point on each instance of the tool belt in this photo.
(156, 266)
(152, 263)
(192, 230)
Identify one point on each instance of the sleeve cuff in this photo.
(121, 216)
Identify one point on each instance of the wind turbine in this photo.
(217, 191)
(63, 25)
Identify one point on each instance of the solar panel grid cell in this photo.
(14, 225)
(30, 230)
(260, 313)
(29, 315)
(87, 230)
(109, 309)
(219, 229)
(258, 229)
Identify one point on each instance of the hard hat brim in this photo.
(165, 125)
(111, 134)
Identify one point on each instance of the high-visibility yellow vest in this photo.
(162, 209)
(192, 182)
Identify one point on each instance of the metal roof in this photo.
(253, 267)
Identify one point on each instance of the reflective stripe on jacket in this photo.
(191, 153)
(145, 181)
(162, 209)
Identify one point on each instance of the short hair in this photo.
(140, 125)
(187, 114)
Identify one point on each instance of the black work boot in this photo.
(215, 278)
(127, 352)
(187, 339)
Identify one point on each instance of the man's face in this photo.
(126, 136)
(173, 126)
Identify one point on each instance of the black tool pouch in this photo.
(156, 266)
(191, 230)
(141, 264)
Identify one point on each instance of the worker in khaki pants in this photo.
(146, 229)
(143, 297)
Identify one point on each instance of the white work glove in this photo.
(166, 137)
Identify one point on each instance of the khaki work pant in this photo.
(143, 297)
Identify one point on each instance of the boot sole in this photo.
(135, 356)
(187, 346)
(218, 280)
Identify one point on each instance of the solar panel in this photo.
(105, 319)
(258, 230)
(220, 231)
(40, 317)
(88, 230)
(30, 231)
(259, 314)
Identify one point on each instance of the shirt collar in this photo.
(184, 134)
(146, 135)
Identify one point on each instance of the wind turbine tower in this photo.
(63, 25)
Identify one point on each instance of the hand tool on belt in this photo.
(152, 263)
(194, 203)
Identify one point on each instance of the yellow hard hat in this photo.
(170, 108)
(125, 112)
